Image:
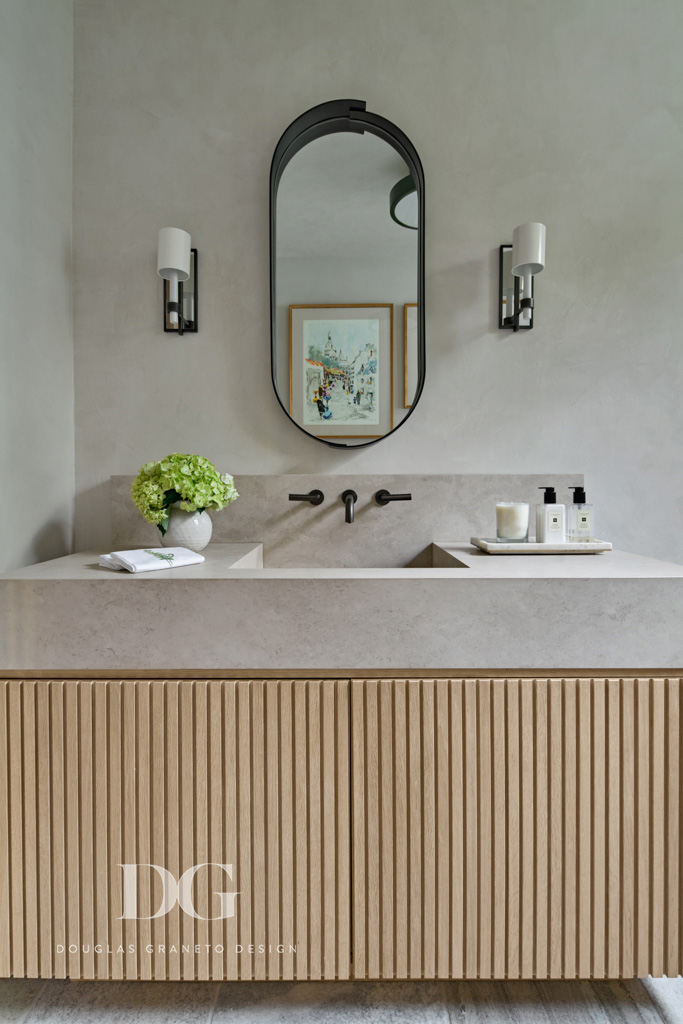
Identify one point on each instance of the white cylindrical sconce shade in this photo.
(528, 249)
(174, 254)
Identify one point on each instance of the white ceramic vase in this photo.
(187, 529)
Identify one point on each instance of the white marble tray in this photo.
(531, 547)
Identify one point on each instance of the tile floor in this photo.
(26, 1001)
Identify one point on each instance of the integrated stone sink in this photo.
(230, 614)
(433, 557)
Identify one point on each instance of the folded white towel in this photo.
(147, 559)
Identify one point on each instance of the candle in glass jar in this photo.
(512, 520)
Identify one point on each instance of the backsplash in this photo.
(443, 508)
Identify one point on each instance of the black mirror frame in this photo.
(327, 119)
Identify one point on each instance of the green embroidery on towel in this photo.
(157, 554)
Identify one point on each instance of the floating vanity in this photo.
(470, 767)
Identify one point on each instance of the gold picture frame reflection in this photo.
(410, 373)
(341, 369)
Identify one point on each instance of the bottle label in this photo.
(584, 522)
(555, 521)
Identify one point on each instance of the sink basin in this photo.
(433, 557)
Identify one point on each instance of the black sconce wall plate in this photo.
(184, 288)
(507, 281)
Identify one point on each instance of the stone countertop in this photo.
(450, 561)
(483, 612)
(219, 561)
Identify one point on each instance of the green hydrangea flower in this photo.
(190, 480)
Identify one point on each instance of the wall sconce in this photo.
(518, 264)
(177, 265)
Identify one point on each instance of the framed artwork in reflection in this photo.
(341, 369)
(409, 352)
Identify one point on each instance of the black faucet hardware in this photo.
(315, 497)
(349, 498)
(383, 497)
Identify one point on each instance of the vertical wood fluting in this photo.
(496, 828)
(516, 828)
(99, 773)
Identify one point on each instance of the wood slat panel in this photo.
(30, 837)
(171, 771)
(561, 852)
(415, 832)
(514, 833)
(6, 912)
(569, 820)
(86, 780)
(362, 828)
(673, 825)
(143, 847)
(203, 900)
(470, 827)
(71, 822)
(342, 824)
(158, 821)
(257, 784)
(453, 828)
(43, 820)
(54, 828)
(401, 910)
(15, 938)
(429, 889)
(229, 824)
(95, 774)
(385, 725)
(443, 832)
(287, 821)
(115, 856)
(485, 824)
(614, 815)
(599, 801)
(498, 724)
(528, 844)
(374, 851)
(659, 896)
(628, 826)
(186, 827)
(273, 925)
(541, 831)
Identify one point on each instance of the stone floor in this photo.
(516, 1002)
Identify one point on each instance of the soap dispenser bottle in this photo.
(551, 519)
(580, 517)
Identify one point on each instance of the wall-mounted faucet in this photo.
(349, 498)
(315, 497)
(383, 497)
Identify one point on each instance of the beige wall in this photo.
(569, 113)
(36, 347)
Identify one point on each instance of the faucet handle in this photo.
(383, 497)
(315, 497)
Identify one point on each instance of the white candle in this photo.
(512, 520)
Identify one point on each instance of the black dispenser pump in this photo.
(550, 497)
(579, 495)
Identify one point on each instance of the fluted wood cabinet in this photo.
(360, 828)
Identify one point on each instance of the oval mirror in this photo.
(347, 274)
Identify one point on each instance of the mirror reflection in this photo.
(346, 265)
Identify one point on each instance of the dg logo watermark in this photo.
(173, 891)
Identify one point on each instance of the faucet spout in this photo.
(349, 498)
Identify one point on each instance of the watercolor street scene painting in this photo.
(341, 372)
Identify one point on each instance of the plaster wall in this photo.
(36, 342)
(569, 113)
